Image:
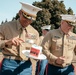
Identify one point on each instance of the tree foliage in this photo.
(50, 14)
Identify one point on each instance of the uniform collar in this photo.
(19, 26)
(61, 32)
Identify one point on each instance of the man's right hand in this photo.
(60, 60)
(15, 41)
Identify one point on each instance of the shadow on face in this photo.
(66, 27)
(25, 20)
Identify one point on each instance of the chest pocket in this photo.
(56, 44)
(30, 40)
(71, 44)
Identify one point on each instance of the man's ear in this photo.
(20, 12)
(62, 22)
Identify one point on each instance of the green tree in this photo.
(17, 16)
(50, 14)
(70, 11)
(2, 22)
(6, 21)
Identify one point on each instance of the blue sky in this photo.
(9, 8)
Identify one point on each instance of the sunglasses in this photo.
(27, 16)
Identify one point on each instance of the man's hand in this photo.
(60, 60)
(15, 41)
